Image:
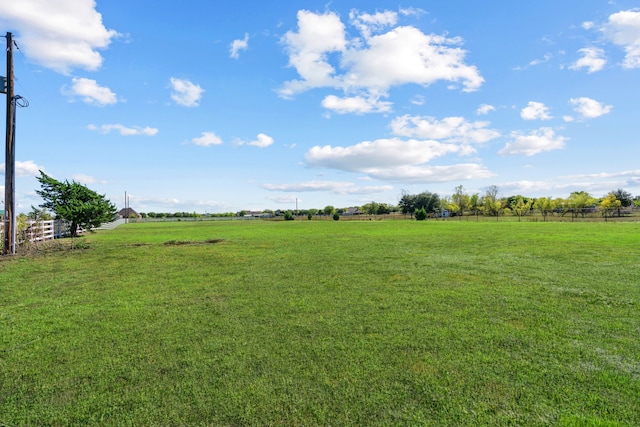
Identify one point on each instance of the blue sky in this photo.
(223, 106)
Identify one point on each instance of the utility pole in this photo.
(10, 158)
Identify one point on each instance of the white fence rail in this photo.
(38, 231)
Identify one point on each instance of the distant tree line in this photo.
(427, 204)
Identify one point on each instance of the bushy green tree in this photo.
(624, 196)
(421, 214)
(546, 206)
(410, 203)
(329, 210)
(74, 202)
(520, 206)
(460, 200)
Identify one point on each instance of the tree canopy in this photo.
(409, 203)
(75, 203)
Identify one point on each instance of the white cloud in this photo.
(285, 200)
(206, 139)
(59, 35)
(634, 173)
(27, 168)
(535, 111)
(406, 55)
(449, 129)
(546, 58)
(543, 139)
(185, 93)
(593, 60)
(382, 153)
(368, 67)
(238, 45)
(418, 100)
(367, 23)
(589, 108)
(91, 92)
(317, 36)
(262, 141)
(587, 25)
(432, 174)
(409, 11)
(83, 179)
(355, 104)
(331, 186)
(623, 29)
(485, 109)
(124, 130)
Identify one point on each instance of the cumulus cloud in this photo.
(406, 160)
(538, 141)
(367, 23)
(238, 45)
(83, 179)
(26, 168)
(406, 55)
(124, 130)
(366, 67)
(90, 92)
(261, 141)
(589, 108)
(206, 139)
(623, 29)
(432, 174)
(318, 35)
(450, 129)
(535, 111)
(330, 186)
(185, 93)
(355, 104)
(485, 109)
(60, 35)
(373, 154)
(592, 59)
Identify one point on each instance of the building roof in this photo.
(127, 212)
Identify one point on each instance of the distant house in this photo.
(128, 213)
(257, 214)
(352, 211)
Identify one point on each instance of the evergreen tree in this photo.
(74, 202)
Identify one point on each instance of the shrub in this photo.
(421, 214)
(309, 217)
(288, 216)
(336, 216)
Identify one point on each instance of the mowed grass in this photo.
(306, 323)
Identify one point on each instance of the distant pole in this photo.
(10, 159)
(126, 209)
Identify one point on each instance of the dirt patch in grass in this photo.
(191, 242)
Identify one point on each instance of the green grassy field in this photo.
(305, 323)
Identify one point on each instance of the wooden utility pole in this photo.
(10, 159)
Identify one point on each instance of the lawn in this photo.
(344, 323)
